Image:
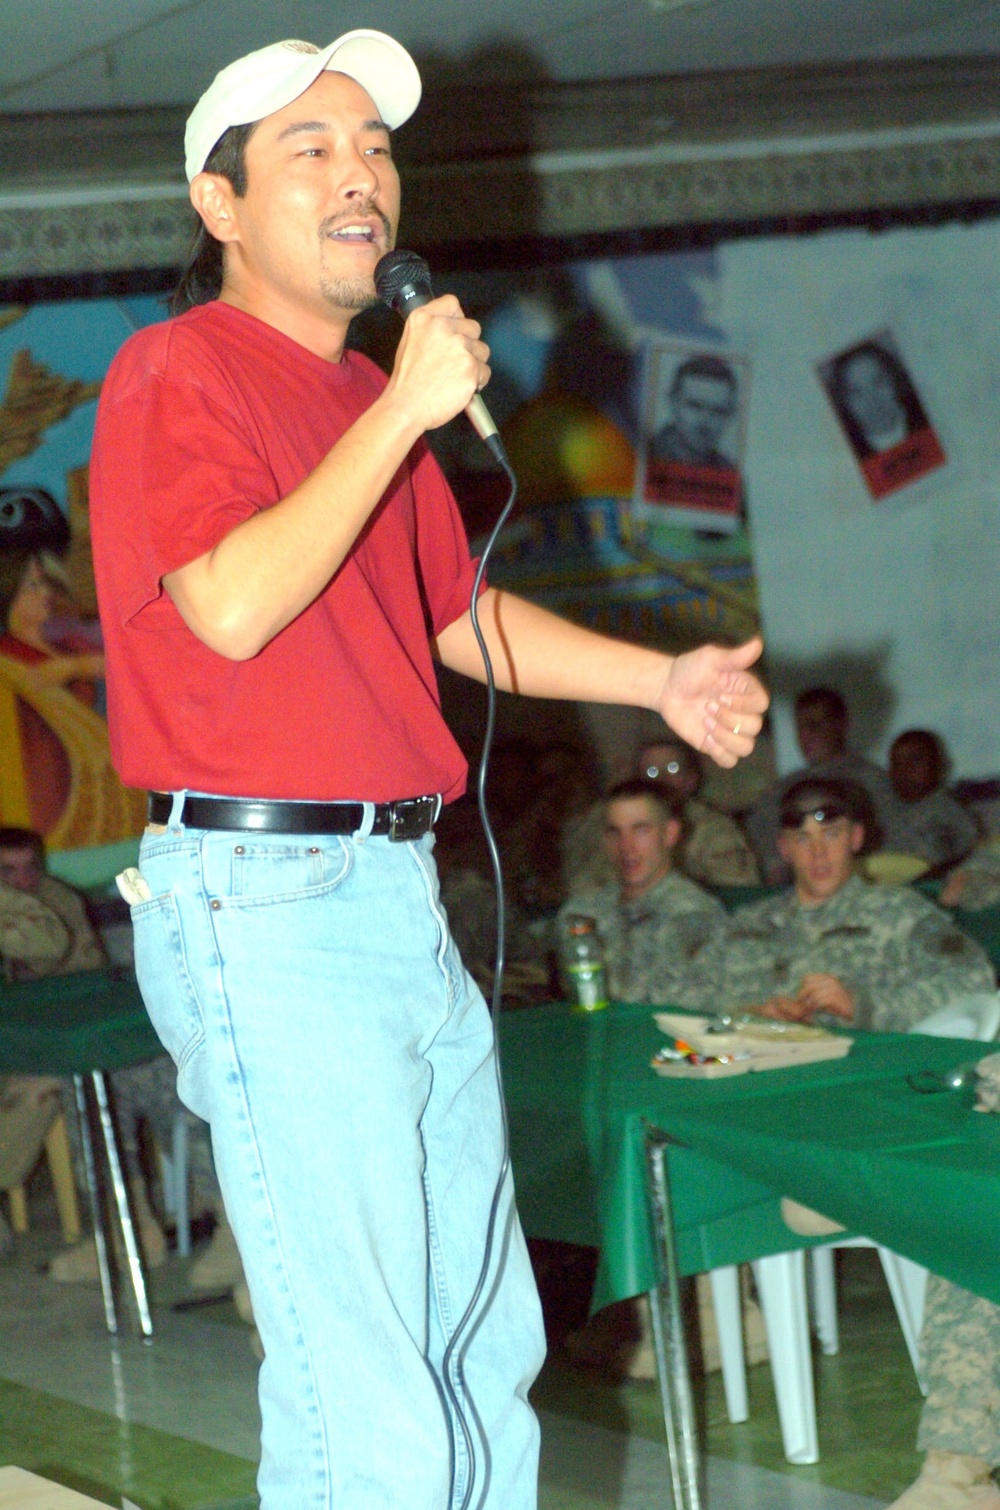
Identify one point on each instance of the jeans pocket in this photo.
(265, 873)
(161, 967)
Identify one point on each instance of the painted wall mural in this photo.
(55, 767)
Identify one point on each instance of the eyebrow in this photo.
(312, 128)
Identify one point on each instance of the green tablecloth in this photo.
(71, 1024)
(920, 1173)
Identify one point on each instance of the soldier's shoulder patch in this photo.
(949, 942)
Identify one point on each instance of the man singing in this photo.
(280, 562)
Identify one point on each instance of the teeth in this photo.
(358, 232)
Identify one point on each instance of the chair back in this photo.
(975, 1015)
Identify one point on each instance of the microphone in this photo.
(403, 281)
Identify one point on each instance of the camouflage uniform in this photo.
(51, 934)
(982, 877)
(937, 828)
(899, 955)
(471, 904)
(960, 1352)
(32, 937)
(649, 942)
(713, 850)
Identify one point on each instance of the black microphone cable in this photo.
(454, 1355)
(403, 281)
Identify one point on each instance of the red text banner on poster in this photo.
(714, 489)
(914, 457)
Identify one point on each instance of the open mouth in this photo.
(360, 235)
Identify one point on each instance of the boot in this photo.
(78, 1265)
(219, 1268)
(951, 1481)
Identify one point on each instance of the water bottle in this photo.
(584, 972)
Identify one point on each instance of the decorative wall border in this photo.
(551, 163)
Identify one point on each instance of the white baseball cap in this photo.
(267, 80)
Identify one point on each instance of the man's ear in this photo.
(213, 198)
(857, 837)
(782, 844)
(672, 832)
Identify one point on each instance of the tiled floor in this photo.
(173, 1426)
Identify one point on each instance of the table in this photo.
(589, 1128)
(82, 1025)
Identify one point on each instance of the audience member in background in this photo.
(877, 957)
(565, 786)
(976, 882)
(34, 941)
(821, 726)
(651, 919)
(713, 849)
(144, 1091)
(468, 894)
(960, 1422)
(925, 820)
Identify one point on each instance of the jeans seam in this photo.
(444, 933)
(442, 1296)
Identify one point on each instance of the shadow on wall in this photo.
(859, 676)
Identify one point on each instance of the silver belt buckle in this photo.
(412, 817)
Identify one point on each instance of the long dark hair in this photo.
(201, 280)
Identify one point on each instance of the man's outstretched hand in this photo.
(712, 700)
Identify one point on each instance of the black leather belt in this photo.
(407, 818)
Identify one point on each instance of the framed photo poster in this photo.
(881, 414)
(692, 436)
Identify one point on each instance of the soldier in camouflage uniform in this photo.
(45, 930)
(652, 920)
(925, 819)
(713, 851)
(880, 958)
(960, 1424)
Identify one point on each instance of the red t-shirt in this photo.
(204, 420)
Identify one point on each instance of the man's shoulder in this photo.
(757, 919)
(678, 893)
(187, 348)
(891, 910)
(591, 901)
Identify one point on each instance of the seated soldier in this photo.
(652, 920)
(878, 957)
(713, 850)
(960, 1423)
(822, 727)
(925, 820)
(975, 883)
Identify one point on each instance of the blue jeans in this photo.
(323, 1024)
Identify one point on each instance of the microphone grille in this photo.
(398, 270)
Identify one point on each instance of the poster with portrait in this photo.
(881, 413)
(692, 436)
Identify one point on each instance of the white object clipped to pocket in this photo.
(132, 887)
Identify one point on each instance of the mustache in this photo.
(333, 223)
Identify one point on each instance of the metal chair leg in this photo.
(120, 1192)
(96, 1206)
(669, 1341)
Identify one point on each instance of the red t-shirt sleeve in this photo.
(189, 473)
(446, 569)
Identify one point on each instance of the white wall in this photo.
(898, 601)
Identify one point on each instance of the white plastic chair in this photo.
(174, 1176)
(782, 1288)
